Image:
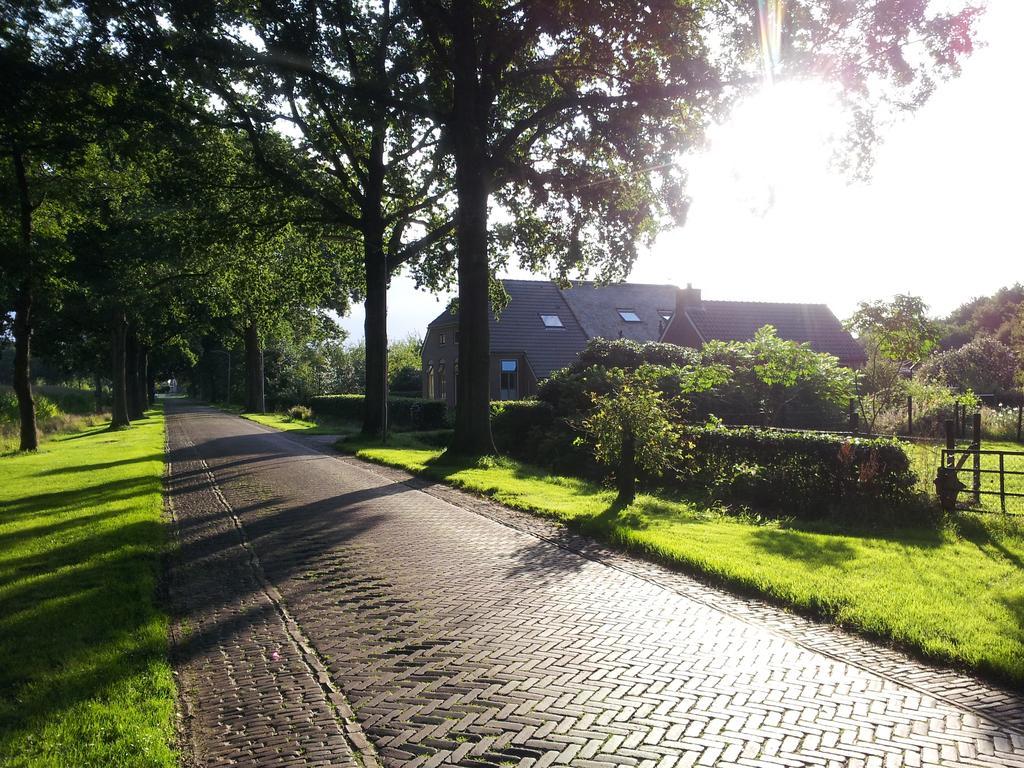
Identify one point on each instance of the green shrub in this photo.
(300, 413)
(44, 406)
(805, 474)
(70, 399)
(530, 431)
(404, 412)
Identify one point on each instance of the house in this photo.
(544, 327)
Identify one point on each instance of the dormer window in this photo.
(666, 314)
(629, 315)
(551, 321)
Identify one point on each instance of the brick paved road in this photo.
(450, 632)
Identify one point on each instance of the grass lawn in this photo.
(954, 594)
(84, 676)
(286, 424)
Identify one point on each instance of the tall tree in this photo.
(343, 80)
(570, 115)
(52, 90)
(897, 335)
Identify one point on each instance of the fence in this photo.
(979, 479)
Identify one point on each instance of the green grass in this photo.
(286, 424)
(84, 672)
(953, 594)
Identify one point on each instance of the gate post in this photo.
(950, 440)
(976, 446)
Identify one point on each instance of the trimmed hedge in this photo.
(531, 431)
(404, 412)
(808, 474)
(513, 421)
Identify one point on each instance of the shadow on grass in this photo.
(979, 532)
(104, 582)
(795, 546)
(99, 465)
(57, 502)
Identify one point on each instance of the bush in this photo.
(984, 365)
(514, 423)
(806, 474)
(300, 413)
(404, 412)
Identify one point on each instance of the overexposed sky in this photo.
(941, 216)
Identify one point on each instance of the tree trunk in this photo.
(142, 374)
(23, 314)
(375, 267)
(135, 407)
(98, 383)
(255, 400)
(150, 385)
(469, 120)
(22, 367)
(625, 478)
(119, 384)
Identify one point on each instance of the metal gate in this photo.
(982, 480)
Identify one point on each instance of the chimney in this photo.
(687, 298)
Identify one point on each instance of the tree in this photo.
(993, 315)
(897, 335)
(772, 374)
(570, 115)
(52, 86)
(405, 364)
(983, 365)
(635, 426)
(344, 78)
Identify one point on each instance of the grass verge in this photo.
(953, 594)
(287, 424)
(85, 678)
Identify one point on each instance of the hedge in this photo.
(531, 431)
(798, 473)
(404, 412)
(807, 474)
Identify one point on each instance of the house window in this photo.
(441, 383)
(666, 314)
(551, 321)
(430, 382)
(442, 339)
(509, 384)
(629, 315)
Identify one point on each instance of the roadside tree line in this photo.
(174, 169)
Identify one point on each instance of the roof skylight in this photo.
(629, 315)
(551, 321)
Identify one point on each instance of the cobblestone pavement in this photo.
(418, 626)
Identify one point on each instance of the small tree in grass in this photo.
(635, 427)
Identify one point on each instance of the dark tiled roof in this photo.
(813, 323)
(595, 307)
(589, 311)
(519, 328)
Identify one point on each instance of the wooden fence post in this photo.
(976, 446)
(950, 441)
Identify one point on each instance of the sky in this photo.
(940, 216)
